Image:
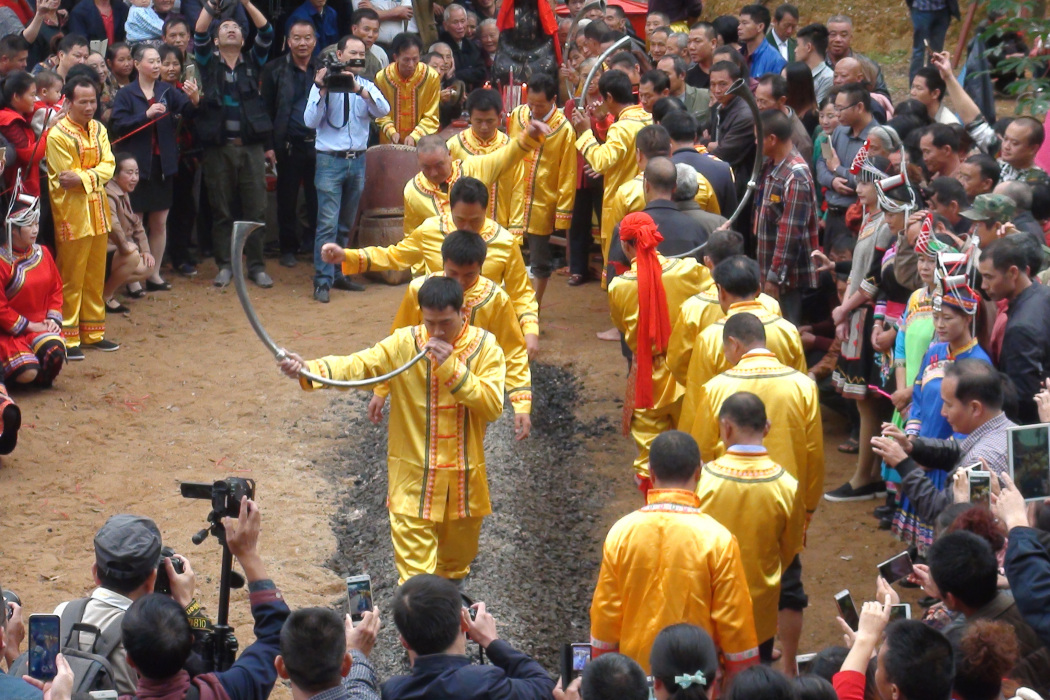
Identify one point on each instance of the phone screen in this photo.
(901, 611)
(895, 569)
(981, 488)
(1030, 460)
(359, 595)
(804, 662)
(581, 656)
(44, 631)
(847, 610)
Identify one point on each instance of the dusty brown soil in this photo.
(192, 395)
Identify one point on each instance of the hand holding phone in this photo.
(896, 568)
(359, 596)
(847, 610)
(44, 632)
(574, 658)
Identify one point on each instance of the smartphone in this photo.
(359, 596)
(896, 568)
(804, 662)
(1028, 449)
(981, 488)
(847, 610)
(901, 611)
(44, 631)
(574, 657)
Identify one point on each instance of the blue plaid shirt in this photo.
(359, 684)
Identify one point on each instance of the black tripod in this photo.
(219, 644)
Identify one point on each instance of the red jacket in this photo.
(29, 152)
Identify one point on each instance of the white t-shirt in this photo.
(391, 28)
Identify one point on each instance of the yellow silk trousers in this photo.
(82, 264)
(646, 424)
(445, 548)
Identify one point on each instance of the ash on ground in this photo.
(540, 548)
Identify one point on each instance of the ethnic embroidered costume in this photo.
(501, 191)
(544, 205)
(32, 293)
(413, 102)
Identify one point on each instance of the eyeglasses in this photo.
(840, 110)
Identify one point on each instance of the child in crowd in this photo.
(143, 23)
(48, 106)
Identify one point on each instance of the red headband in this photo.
(654, 323)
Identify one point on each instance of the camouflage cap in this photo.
(991, 207)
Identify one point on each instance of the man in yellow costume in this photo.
(413, 90)
(701, 310)
(545, 199)
(488, 307)
(79, 164)
(438, 490)
(739, 283)
(427, 194)
(640, 302)
(615, 158)
(482, 137)
(755, 499)
(503, 264)
(795, 440)
(669, 563)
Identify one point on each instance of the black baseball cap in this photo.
(127, 547)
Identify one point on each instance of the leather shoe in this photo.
(347, 285)
(577, 280)
(321, 294)
(224, 277)
(288, 260)
(261, 279)
(884, 512)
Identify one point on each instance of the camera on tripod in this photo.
(338, 77)
(225, 495)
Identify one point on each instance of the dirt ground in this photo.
(193, 396)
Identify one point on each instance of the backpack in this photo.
(91, 669)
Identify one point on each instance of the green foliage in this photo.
(1031, 89)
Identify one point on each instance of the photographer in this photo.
(340, 107)
(11, 634)
(127, 556)
(429, 614)
(158, 637)
(324, 657)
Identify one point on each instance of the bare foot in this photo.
(611, 334)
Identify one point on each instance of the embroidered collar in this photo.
(964, 349)
(633, 112)
(681, 497)
(413, 81)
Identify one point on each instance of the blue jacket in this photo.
(766, 59)
(12, 688)
(1028, 571)
(326, 24)
(129, 113)
(512, 676)
(86, 21)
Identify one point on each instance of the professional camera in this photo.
(338, 77)
(163, 584)
(225, 495)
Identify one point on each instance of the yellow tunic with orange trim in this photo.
(86, 152)
(697, 313)
(424, 199)
(438, 417)
(503, 263)
(756, 500)
(488, 307)
(708, 359)
(796, 437)
(501, 192)
(668, 563)
(614, 159)
(413, 103)
(545, 203)
(681, 278)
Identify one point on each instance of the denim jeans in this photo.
(931, 26)
(339, 183)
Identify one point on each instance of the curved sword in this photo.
(241, 231)
(571, 36)
(598, 64)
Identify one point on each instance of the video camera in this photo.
(338, 77)
(225, 495)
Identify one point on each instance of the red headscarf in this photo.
(505, 20)
(654, 322)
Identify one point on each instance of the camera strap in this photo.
(346, 113)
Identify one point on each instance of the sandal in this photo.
(850, 447)
(135, 293)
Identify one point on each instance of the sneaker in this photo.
(288, 260)
(224, 278)
(848, 493)
(321, 294)
(74, 354)
(104, 345)
(261, 279)
(347, 285)
(187, 270)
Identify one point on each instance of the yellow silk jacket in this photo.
(755, 499)
(423, 199)
(697, 313)
(545, 204)
(615, 158)
(438, 417)
(796, 437)
(708, 359)
(503, 265)
(413, 103)
(681, 280)
(501, 191)
(86, 152)
(488, 307)
(668, 563)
